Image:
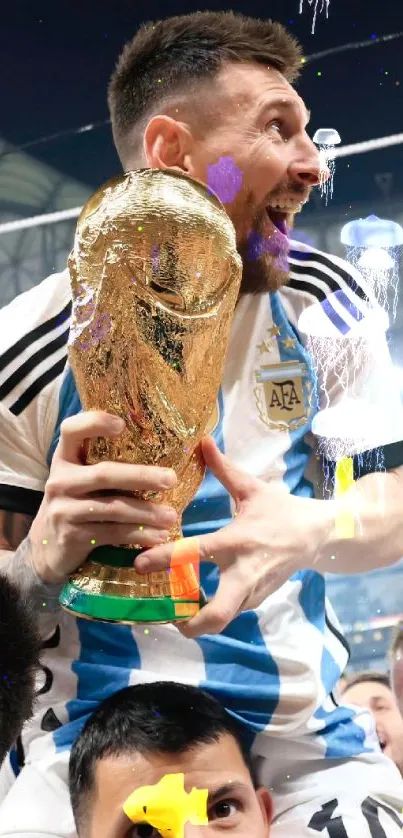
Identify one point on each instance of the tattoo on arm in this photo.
(15, 562)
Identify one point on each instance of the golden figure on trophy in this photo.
(155, 277)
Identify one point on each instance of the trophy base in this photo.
(127, 610)
(107, 588)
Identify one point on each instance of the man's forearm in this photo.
(376, 502)
(17, 566)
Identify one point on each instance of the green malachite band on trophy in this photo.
(114, 556)
(124, 609)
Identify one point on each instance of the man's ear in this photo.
(167, 144)
(266, 805)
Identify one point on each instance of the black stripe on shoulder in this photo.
(31, 363)
(37, 386)
(34, 334)
(325, 262)
(339, 636)
(17, 499)
(309, 287)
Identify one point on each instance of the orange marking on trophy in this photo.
(185, 552)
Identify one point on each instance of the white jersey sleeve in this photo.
(33, 351)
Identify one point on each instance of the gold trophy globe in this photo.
(155, 277)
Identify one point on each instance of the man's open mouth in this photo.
(278, 219)
(280, 211)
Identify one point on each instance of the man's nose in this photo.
(309, 167)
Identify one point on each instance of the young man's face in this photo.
(389, 723)
(234, 807)
(250, 145)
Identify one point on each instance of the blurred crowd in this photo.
(382, 694)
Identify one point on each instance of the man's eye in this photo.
(224, 809)
(277, 126)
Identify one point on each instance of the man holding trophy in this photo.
(184, 293)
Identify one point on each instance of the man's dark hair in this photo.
(19, 662)
(168, 57)
(367, 675)
(162, 717)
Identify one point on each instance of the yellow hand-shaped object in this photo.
(167, 806)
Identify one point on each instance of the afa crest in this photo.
(282, 395)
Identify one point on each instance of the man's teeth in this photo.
(285, 207)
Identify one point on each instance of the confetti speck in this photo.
(44, 541)
(93, 541)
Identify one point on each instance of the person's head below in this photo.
(396, 664)
(210, 94)
(19, 663)
(145, 732)
(373, 690)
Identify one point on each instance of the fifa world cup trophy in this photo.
(155, 277)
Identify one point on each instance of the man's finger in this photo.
(216, 547)
(88, 425)
(223, 608)
(238, 483)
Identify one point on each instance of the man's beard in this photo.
(264, 258)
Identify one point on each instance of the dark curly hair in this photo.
(19, 662)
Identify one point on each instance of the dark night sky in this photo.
(56, 57)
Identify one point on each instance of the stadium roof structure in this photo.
(28, 188)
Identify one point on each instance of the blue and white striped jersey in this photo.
(274, 668)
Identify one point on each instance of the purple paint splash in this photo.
(97, 332)
(155, 258)
(277, 245)
(224, 179)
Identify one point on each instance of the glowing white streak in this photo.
(369, 145)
